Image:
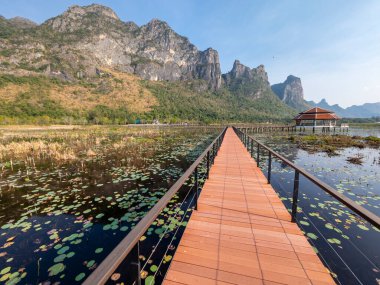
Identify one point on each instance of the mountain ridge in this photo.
(76, 42)
(366, 110)
(291, 93)
(82, 54)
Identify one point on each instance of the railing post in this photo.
(258, 155)
(295, 195)
(136, 262)
(208, 164)
(269, 166)
(251, 147)
(213, 153)
(196, 187)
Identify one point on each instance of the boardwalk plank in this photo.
(241, 232)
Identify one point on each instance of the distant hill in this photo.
(367, 110)
(88, 65)
(291, 93)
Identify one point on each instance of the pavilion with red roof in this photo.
(316, 117)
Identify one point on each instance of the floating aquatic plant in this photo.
(74, 205)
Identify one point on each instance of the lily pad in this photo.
(70, 254)
(5, 270)
(153, 268)
(80, 276)
(364, 228)
(56, 269)
(63, 250)
(99, 250)
(107, 227)
(5, 277)
(312, 236)
(334, 240)
(60, 258)
(149, 280)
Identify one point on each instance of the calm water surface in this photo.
(348, 245)
(60, 219)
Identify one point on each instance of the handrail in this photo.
(361, 211)
(108, 266)
(287, 128)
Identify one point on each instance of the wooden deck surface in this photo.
(241, 233)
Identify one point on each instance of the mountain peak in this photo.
(158, 22)
(240, 70)
(22, 22)
(291, 92)
(89, 18)
(158, 27)
(292, 78)
(255, 80)
(236, 63)
(100, 10)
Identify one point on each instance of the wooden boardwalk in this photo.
(241, 233)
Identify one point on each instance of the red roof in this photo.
(317, 113)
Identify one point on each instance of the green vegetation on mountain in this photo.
(123, 98)
(179, 102)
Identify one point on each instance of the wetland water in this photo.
(348, 245)
(68, 197)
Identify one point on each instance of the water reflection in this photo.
(347, 244)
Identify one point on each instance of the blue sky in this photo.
(333, 45)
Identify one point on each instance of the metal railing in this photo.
(268, 129)
(130, 244)
(361, 211)
(292, 128)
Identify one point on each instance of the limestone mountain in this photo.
(243, 80)
(291, 93)
(87, 65)
(83, 39)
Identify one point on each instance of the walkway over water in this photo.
(241, 232)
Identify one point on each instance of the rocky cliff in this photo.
(246, 81)
(81, 41)
(291, 93)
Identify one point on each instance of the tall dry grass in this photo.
(72, 144)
